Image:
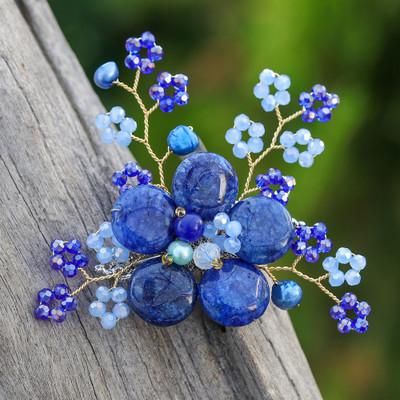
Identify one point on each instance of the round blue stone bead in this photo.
(162, 295)
(234, 295)
(205, 183)
(286, 294)
(106, 74)
(142, 220)
(182, 140)
(189, 228)
(267, 229)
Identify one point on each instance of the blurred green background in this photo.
(350, 46)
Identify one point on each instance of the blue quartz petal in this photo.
(267, 229)
(205, 183)
(142, 219)
(234, 295)
(162, 295)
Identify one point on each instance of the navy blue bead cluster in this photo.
(361, 309)
(272, 178)
(318, 104)
(131, 170)
(306, 234)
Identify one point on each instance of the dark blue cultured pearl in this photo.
(190, 227)
(267, 229)
(162, 295)
(234, 295)
(286, 294)
(205, 183)
(142, 220)
(182, 140)
(106, 74)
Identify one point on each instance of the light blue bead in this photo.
(118, 295)
(209, 231)
(108, 321)
(105, 255)
(343, 255)
(267, 76)
(117, 114)
(105, 230)
(103, 121)
(358, 262)
(287, 139)
(128, 125)
(233, 229)
(107, 136)
(291, 155)
(219, 240)
(256, 130)
(94, 241)
(242, 122)
(261, 90)
(115, 242)
(330, 264)
(282, 97)
(204, 255)
(233, 136)
(103, 294)
(316, 147)
(232, 245)
(121, 310)
(124, 139)
(303, 136)
(282, 82)
(353, 277)
(240, 150)
(121, 254)
(221, 220)
(269, 103)
(336, 278)
(306, 159)
(97, 309)
(106, 74)
(255, 145)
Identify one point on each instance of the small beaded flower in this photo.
(160, 234)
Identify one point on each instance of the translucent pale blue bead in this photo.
(291, 155)
(103, 121)
(94, 241)
(105, 230)
(121, 254)
(240, 149)
(358, 262)
(282, 82)
(267, 76)
(336, 278)
(105, 255)
(219, 240)
(121, 310)
(128, 125)
(261, 90)
(303, 136)
(205, 254)
(255, 145)
(118, 294)
(97, 309)
(282, 97)
(330, 264)
(233, 136)
(106, 74)
(316, 147)
(306, 159)
(221, 220)
(108, 135)
(182, 140)
(256, 130)
(209, 230)
(269, 103)
(287, 139)
(343, 255)
(108, 321)
(117, 114)
(232, 245)
(352, 277)
(242, 122)
(103, 294)
(124, 139)
(233, 229)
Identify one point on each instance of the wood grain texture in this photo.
(54, 182)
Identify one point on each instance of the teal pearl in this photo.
(181, 252)
(182, 140)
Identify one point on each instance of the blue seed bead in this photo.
(132, 61)
(119, 178)
(221, 220)
(117, 114)
(124, 139)
(269, 103)
(121, 310)
(337, 312)
(232, 245)
(319, 92)
(286, 294)
(156, 53)
(242, 122)
(306, 100)
(182, 140)
(69, 304)
(344, 325)
(324, 114)
(108, 321)
(57, 262)
(233, 136)
(330, 264)
(362, 309)
(190, 227)
(255, 145)
(105, 230)
(275, 176)
(80, 260)
(304, 232)
(107, 136)
(103, 121)
(147, 66)
(131, 169)
(324, 246)
(147, 39)
(349, 301)
(97, 309)
(358, 262)
(289, 183)
(336, 278)
(145, 177)
(282, 97)
(45, 296)
(332, 100)
(133, 45)
(309, 116)
(311, 255)
(94, 241)
(61, 291)
(352, 277)
(121, 255)
(156, 92)
(105, 255)
(106, 74)
(209, 230)
(42, 312)
(319, 230)
(204, 255)
(167, 104)
(267, 76)
(164, 79)
(219, 240)
(181, 98)
(73, 246)
(57, 314)
(282, 82)
(69, 270)
(118, 294)
(180, 81)
(316, 147)
(291, 155)
(261, 90)
(128, 125)
(306, 160)
(57, 246)
(287, 139)
(303, 136)
(360, 325)
(256, 130)
(240, 150)
(233, 229)
(343, 255)
(103, 294)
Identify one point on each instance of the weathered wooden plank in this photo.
(54, 181)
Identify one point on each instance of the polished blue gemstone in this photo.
(142, 219)
(106, 74)
(267, 229)
(182, 140)
(190, 227)
(206, 184)
(286, 294)
(234, 295)
(162, 295)
(42, 312)
(45, 296)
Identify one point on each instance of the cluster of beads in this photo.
(135, 45)
(159, 92)
(304, 233)
(131, 170)
(119, 311)
(302, 137)
(323, 111)
(274, 177)
(106, 254)
(349, 303)
(55, 304)
(262, 90)
(109, 133)
(254, 144)
(67, 257)
(344, 256)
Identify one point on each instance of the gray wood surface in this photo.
(55, 182)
